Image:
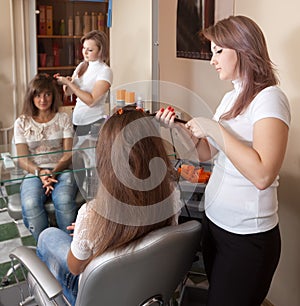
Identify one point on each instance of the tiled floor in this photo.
(12, 235)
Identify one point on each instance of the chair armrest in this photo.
(38, 269)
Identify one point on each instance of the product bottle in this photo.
(62, 27)
(94, 21)
(121, 97)
(100, 22)
(70, 54)
(55, 50)
(77, 25)
(129, 97)
(139, 102)
(70, 26)
(86, 23)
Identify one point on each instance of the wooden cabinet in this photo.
(59, 26)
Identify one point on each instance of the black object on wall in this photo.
(192, 17)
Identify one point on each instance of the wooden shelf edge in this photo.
(59, 36)
(56, 68)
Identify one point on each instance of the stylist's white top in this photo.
(84, 114)
(232, 202)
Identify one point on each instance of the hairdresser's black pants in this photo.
(239, 267)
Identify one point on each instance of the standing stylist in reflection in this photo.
(90, 82)
(248, 137)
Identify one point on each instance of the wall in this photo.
(196, 75)
(281, 25)
(130, 44)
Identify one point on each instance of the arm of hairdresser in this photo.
(259, 163)
(167, 118)
(89, 98)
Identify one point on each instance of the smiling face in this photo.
(90, 50)
(43, 100)
(225, 62)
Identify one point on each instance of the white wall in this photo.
(130, 42)
(281, 25)
(196, 75)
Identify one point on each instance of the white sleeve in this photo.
(19, 131)
(270, 103)
(105, 75)
(81, 247)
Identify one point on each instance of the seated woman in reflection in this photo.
(131, 177)
(42, 129)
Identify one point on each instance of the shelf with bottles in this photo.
(59, 54)
(68, 18)
(60, 25)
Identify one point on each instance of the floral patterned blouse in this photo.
(44, 137)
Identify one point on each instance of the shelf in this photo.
(59, 36)
(56, 68)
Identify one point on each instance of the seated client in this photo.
(42, 129)
(135, 195)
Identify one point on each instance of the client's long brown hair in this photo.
(112, 235)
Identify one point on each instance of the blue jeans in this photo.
(33, 199)
(52, 248)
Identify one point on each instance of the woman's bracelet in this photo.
(37, 171)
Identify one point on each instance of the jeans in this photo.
(52, 248)
(33, 199)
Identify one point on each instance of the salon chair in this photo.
(147, 272)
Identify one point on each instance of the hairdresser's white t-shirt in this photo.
(232, 202)
(84, 114)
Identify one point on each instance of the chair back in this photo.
(144, 272)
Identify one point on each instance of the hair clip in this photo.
(120, 111)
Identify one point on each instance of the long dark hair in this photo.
(41, 82)
(256, 70)
(141, 153)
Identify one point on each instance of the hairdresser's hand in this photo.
(62, 80)
(203, 127)
(166, 117)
